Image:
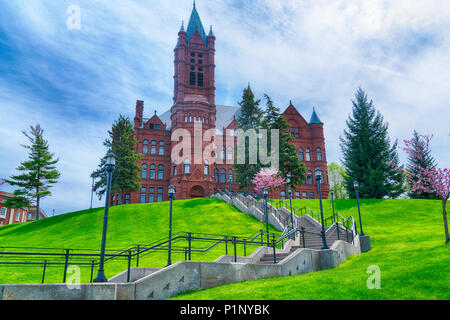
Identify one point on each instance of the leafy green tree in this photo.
(250, 117)
(126, 176)
(336, 176)
(288, 161)
(367, 153)
(38, 173)
(419, 163)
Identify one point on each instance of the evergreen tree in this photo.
(38, 173)
(288, 161)
(420, 161)
(250, 117)
(126, 176)
(367, 153)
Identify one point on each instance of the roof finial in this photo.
(194, 3)
(211, 33)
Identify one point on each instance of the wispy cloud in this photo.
(315, 52)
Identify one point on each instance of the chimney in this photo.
(139, 114)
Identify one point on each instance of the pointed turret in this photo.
(315, 118)
(195, 24)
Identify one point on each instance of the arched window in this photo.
(301, 154)
(230, 175)
(145, 147)
(152, 172)
(308, 154)
(222, 153)
(144, 172)
(216, 175)
(190, 119)
(310, 178)
(223, 176)
(187, 166)
(160, 172)
(175, 171)
(206, 168)
(153, 148)
(185, 119)
(230, 154)
(161, 148)
(319, 154)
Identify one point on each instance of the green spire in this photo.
(195, 23)
(315, 118)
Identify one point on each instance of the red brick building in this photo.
(11, 216)
(194, 104)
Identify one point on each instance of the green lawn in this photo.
(128, 226)
(407, 239)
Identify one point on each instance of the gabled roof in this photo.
(315, 118)
(195, 24)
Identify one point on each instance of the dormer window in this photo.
(151, 126)
(157, 127)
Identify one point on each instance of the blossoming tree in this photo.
(268, 178)
(429, 180)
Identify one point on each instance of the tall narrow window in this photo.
(206, 168)
(160, 172)
(143, 195)
(153, 148)
(145, 147)
(301, 154)
(192, 78)
(319, 154)
(160, 195)
(161, 148)
(308, 154)
(144, 172)
(187, 166)
(200, 80)
(151, 195)
(223, 176)
(174, 171)
(310, 178)
(152, 172)
(230, 154)
(216, 175)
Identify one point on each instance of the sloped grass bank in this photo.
(128, 225)
(407, 239)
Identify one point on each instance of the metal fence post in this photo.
(346, 232)
(235, 249)
(303, 236)
(129, 266)
(226, 245)
(137, 256)
(245, 248)
(274, 252)
(337, 230)
(190, 244)
(43, 273)
(65, 265)
(92, 270)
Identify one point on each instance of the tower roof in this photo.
(195, 23)
(315, 118)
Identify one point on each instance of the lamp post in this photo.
(214, 185)
(206, 193)
(230, 179)
(110, 166)
(318, 173)
(172, 192)
(279, 193)
(246, 181)
(288, 179)
(356, 185)
(290, 202)
(265, 195)
(332, 204)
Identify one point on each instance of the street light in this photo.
(290, 201)
(230, 179)
(318, 174)
(356, 185)
(92, 190)
(172, 192)
(109, 166)
(265, 195)
(246, 181)
(332, 203)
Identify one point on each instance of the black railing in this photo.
(182, 242)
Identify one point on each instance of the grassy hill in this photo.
(127, 226)
(407, 239)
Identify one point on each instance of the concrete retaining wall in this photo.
(188, 275)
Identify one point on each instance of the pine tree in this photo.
(250, 117)
(367, 153)
(38, 173)
(288, 161)
(419, 161)
(126, 176)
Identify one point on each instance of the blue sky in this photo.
(75, 83)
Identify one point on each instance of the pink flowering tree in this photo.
(268, 178)
(429, 180)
